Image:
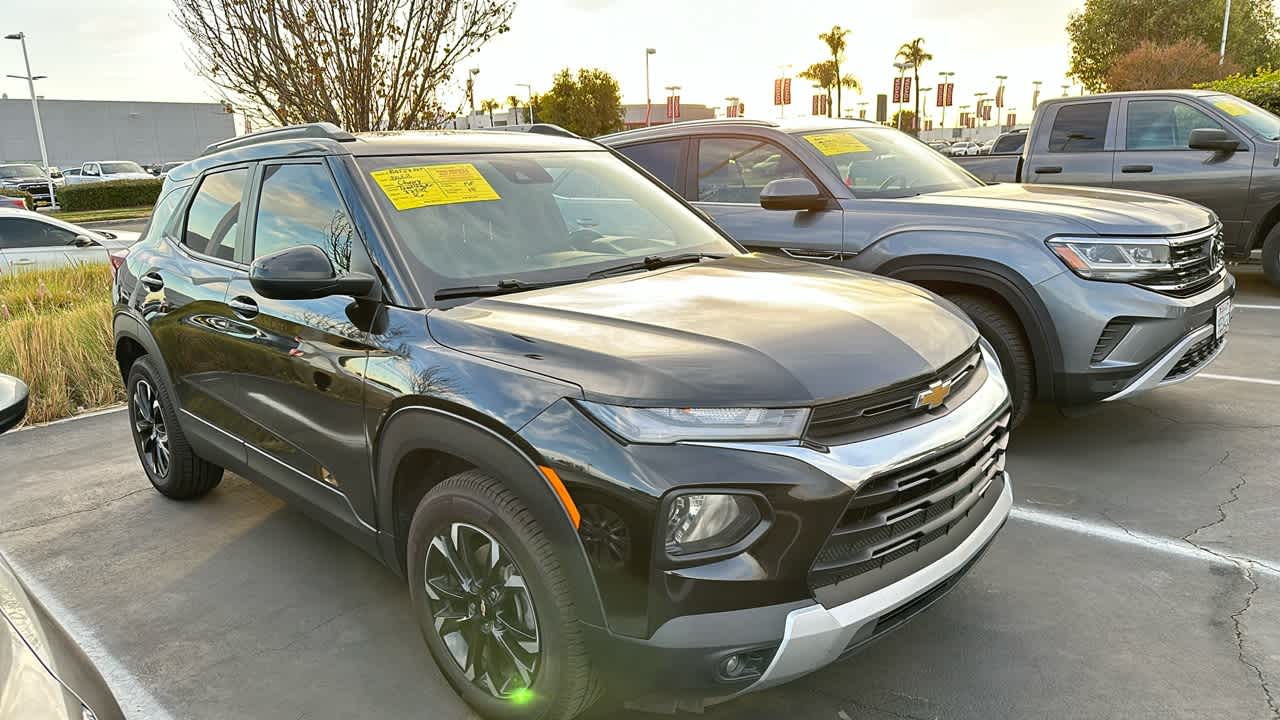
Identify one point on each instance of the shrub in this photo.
(1262, 88)
(1165, 67)
(109, 195)
(26, 196)
(55, 334)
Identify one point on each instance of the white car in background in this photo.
(29, 240)
(107, 170)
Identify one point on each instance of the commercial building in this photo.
(78, 131)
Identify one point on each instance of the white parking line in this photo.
(1238, 378)
(1114, 533)
(135, 700)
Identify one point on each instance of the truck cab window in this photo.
(1080, 128)
(1163, 124)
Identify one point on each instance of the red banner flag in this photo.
(906, 89)
(786, 91)
(942, 95)
(1000, 96)
(777, 91)
(897, 89)
(1035, 99)
(951, 93)
(1013, 119)
(986, 112)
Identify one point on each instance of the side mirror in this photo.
(84, 241)
(792, 194)
(13, 402)
(1214, 139)
(304, 272)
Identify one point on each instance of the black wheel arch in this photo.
(131, 340)
(417, 428)
(943, 272)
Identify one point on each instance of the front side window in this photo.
(878, 162)
(1080, 128)
(299, 205)
(479, 219)
(26, 234)
(661, 159)
(213, 220)
(1009, 144)
(735, 170)
(115, 168)
(1163, 124)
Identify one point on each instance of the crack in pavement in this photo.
(1246, 571)
(70, 513)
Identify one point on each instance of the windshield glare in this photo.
(1248, 114)
(884, 163)
(534, 217)
(113, 168)
(17, 171)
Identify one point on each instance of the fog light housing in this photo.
(703, 522)
(745, 665)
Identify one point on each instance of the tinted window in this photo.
(1007, 144)
(162, 216)
(1163, 125)
(299, 205)
(662, 159)
(1080, 128)
(213, 221)
(735, 170)
(23, 233)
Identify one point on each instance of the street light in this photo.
(924, 107)
(529, 91)
(1035, 97)
(35, 110)
(648, 99)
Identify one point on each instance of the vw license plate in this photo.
(1222, 318)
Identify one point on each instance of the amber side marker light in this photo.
(562, 493)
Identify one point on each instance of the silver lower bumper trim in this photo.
(1154, 377)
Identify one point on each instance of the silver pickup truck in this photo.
(1213, 149)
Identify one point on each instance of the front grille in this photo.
(848, 420)
(898, 513)
(1196, 357)
(1198, 261)
(1111, 336)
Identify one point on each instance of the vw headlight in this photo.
(668, 425)
(1118, 260)
(702, 522)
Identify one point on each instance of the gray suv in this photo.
(1087, 294)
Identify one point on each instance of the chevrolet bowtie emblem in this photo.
(934, 396)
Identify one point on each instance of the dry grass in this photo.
(55, 334)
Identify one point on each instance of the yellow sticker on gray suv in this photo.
(837, 143)
(414, 187)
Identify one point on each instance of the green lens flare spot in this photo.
(523, 696)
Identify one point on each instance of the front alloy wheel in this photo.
(149, 426)
(482, 610)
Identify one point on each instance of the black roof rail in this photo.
(536, 128)
(325, 130)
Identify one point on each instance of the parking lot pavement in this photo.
(1138, 578)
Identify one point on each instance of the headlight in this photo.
(1118, 260)
(667, 425)
(699, 523)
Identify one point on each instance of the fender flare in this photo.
(126, 325)
(1005, 283)
(421, 427)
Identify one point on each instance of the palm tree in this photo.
(489, 106)
(822, 74)
(913, 52)
(513, 102)
(836, 43)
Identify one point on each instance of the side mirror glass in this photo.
(304, 272)
(1215, 139)
(83, 241)
(792, 194)
(13, 402)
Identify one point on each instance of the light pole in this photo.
(35, 110)
(902, 72)
(648, 100)
(1065, 88)
(1226, 19)
(528, 89)
(862, 110)
(946, 83)
(471, 94)
(1000, 101)
(924, 107)
(673, 101)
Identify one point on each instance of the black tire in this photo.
(184, 475)
(562, 684)
(1271, 256)
(1001, 328)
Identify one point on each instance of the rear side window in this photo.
(1080, 128)
(213, 220)
(661, 159)
(162, 216)
(1163, 124)
(299, 205)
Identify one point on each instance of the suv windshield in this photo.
(17, 171)
(1248, 114)
(113, 168)
(530, 217)
(884, 163)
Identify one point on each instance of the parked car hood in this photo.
(1100, 211)
(128, 176)
(749, 330)
(116, 239)
(11, 181)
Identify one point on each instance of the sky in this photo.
(131, 49)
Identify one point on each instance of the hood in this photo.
(130, 176)
(1099, 211)
(116, 239)
(748, 330)
(14, 181)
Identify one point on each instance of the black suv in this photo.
(607, 447)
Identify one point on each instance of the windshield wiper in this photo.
(502, 287)
(653, 262)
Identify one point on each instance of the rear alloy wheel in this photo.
(149, 428)
(170, 463)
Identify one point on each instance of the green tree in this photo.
(489, 106)
(836, 40)
(914, 53)
(1107, 29)
(824, 74)
(589, 104)
(908, 119)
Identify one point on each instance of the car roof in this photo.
(704, 127)
(1130, 93)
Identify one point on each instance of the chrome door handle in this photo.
(24, 261)
(809, 254)
(152, 281)
(244, 307)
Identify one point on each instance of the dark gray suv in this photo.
(1087, 294)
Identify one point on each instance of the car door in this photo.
(300, 376)
(1155, 158)
(31, 243)
(1079, 148)
(726, 175)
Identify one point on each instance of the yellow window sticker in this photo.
(415, 187)
(1231, 107)
(837, 143)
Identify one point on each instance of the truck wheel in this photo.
(1002, 329)
(494, 604)
(1271, 256)
(170, 463)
